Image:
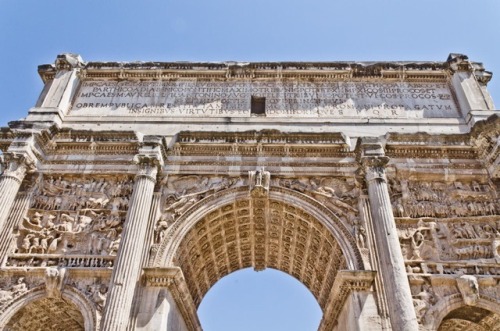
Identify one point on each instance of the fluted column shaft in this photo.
(392, 267)
(18, 210)
(126, 271)
(16, 167)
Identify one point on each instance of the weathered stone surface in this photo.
(131, 188)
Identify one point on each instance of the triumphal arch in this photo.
(131, 188)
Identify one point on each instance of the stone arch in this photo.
(439, 312)
(319, 239)
(71, 299)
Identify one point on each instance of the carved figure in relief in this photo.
(95, 231)
(417, 241)
(162, 226)
(25, 247)
(469, 288)
(14, 291)
(19, 288)
(423, 301)
(360, 234)
(440, 199)
(180, 194)
(398, 208)
(293, 184)
(54, 281)
(259, 178)
(114, 245)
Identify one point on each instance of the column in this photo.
(16, 167)
(128, 265)
(392, 267)
(148, 242)
(17, 212)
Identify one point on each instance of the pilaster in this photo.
(391, 261)
(127, 269)
(166, 303)
(349, 286)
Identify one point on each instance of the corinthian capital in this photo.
(16, 165)
(373, 159)
(148, 165)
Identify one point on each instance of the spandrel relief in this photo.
(182, 192)
(424, 297)
(13, 287)
(338, 194)
(72, 219)
(95, 289)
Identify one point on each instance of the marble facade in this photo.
(131, 188)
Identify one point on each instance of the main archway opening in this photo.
(260, 233)
(247, 300)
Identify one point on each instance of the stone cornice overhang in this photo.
(407, 71)
(473, 153)
(265, 142)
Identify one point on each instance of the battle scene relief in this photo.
(72, 222)
(450, 239)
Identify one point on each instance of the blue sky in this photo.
(33, 32)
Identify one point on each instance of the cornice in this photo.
(335, 70)
(264, 136)
(272, 143)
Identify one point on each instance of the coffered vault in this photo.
(131, 188)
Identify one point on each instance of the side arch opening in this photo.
(35, 311)
(470, 318)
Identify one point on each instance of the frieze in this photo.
(444, 199)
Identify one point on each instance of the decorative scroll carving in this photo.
(148, 165)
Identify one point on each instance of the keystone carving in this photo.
(469, 289)
(54, 282)
(259, 179)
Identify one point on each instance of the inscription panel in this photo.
(194, 98)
